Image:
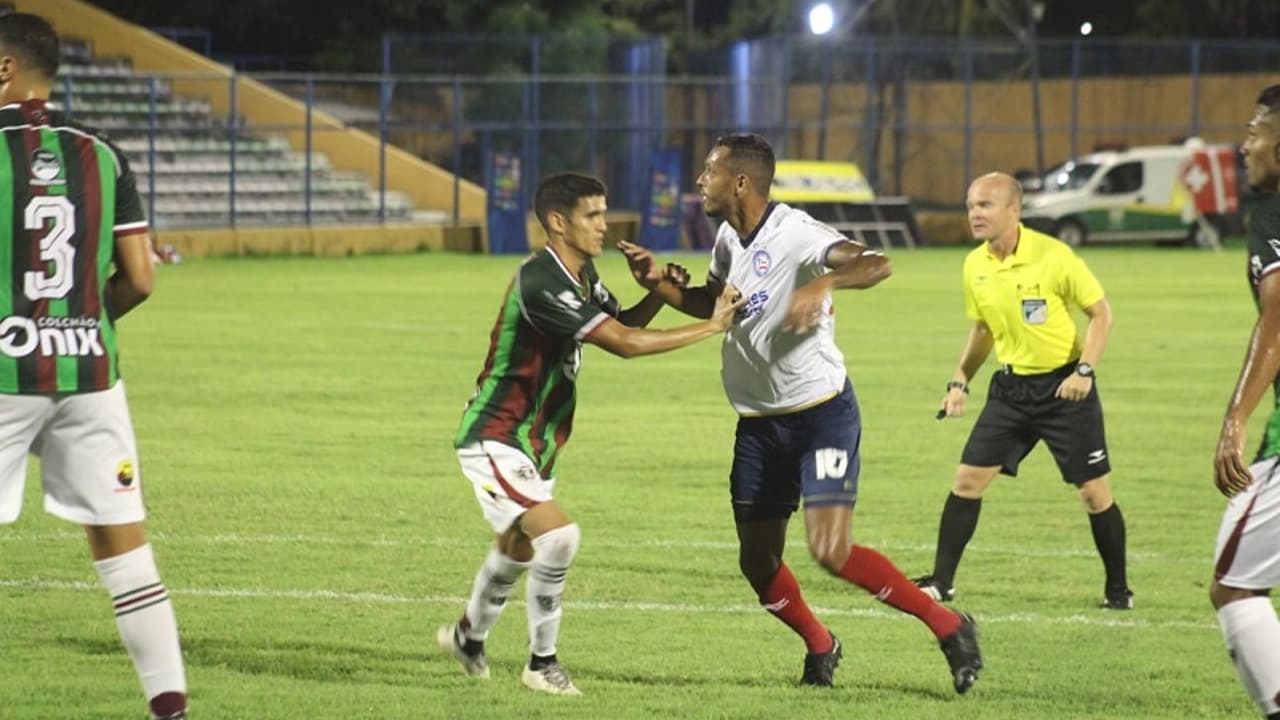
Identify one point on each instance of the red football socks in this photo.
(876, 574)
(784, 601)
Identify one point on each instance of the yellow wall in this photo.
(325, 240)
(361, 240)
(1157, 109)
(430, 186)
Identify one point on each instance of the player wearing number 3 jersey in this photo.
(76, 256)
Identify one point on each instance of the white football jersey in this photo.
(767, 370)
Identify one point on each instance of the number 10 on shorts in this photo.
(830, 463)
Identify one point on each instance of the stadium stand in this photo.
(189, 156)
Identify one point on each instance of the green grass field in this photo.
(296, 415)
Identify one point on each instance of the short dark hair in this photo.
(750, 155)
(1270, 99)
(32, 38)
(562, 191)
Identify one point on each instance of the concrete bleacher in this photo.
(182, 154)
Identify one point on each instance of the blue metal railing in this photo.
(608, 123)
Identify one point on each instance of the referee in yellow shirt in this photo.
(1019, 288)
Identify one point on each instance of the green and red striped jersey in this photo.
(66, 194)
(526, 393)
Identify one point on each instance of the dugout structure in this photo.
(839, 195)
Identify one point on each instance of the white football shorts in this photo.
(505, 480)
(1248, 553)
(88, 456)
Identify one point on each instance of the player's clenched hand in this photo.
(727, 306)
(675, 274)
(806, 307)
(643, 265)
(1230, 473)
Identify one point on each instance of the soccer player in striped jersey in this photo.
(521, 415)
(69, 213)
(799, 426)
(1247, 558)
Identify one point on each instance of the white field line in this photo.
(472, 542)
(1109, 620)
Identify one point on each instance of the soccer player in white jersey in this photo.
(799, 427)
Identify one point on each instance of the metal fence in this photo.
(921, 116)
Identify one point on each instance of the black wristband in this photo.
(957, 385)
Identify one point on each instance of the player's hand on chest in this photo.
(765, 277)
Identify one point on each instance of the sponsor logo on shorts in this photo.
(125, 476)
(50, 337)
(526, 473)
(1097, 456)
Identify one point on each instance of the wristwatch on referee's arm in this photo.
(1084, 369)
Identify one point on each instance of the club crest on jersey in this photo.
(45, 167)
(761, 262)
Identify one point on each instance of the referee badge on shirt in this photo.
(761, 262)
(1035, 311)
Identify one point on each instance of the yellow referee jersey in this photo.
(1026, 300)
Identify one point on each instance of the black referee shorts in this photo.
(1022, 410)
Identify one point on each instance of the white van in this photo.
(1126, 195)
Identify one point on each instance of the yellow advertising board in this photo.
(805, 181)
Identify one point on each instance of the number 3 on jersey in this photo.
(55, 247)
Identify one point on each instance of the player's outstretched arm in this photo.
(648, 274)
(629, 342)
(853, 266)
(135, 275)
(670, 282)
(641, 314)
(976, 349)
(1261, 363)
